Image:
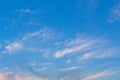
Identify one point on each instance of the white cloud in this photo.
(86, 56)
(77, 41)
(89, 48)
(69, 61)
(17, 77)
(61, 53)
(36, 42)
(14, 47)
(66, 78)
(6, 76)
(46, 63)
(115, 14)
(44, 33)
(100, 53)
(41, 41)
(100, 75)
(33, 63)
(42, 69)
(96, 76)
(24, 11)
(70, 68)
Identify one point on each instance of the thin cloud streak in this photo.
(100, 53)
(115, 14)
(6, 76)
(61, 53)
(15, 46)
(100, 75)
(44, 33)
(70, 68)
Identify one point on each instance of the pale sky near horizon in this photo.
(60, 40)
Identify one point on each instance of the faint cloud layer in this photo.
(35, 42)
(15, 46)
(44, 33)
(100, 53)
(115, 14)
(101, 75)
(78, 48)
(87, 48)
(72, 49)
(44, 40)
(70, 68)
(4, 76)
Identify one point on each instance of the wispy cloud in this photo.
(35, 42)
(13, 47)
(96, 76)
(69, 61)
(44, 33)
(100, 75)
(70, 68)
(24, 10)
(43, 40)
(61, 53)
(42, 69)
(6, 76)
(86, 56)
(100, 53)
(115, 14)
(17, 77)
(87, 48)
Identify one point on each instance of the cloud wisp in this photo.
(115, 14)
(70, 68)
(4, 76)
(15, 46)
(100, 53)
(43, 41)
(87, 48)
(100, 75)
(66, 51)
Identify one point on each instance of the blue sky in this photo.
(60, 40)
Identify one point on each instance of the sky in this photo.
(60, 40)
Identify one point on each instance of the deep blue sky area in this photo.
(60, 39)
(74, 15)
